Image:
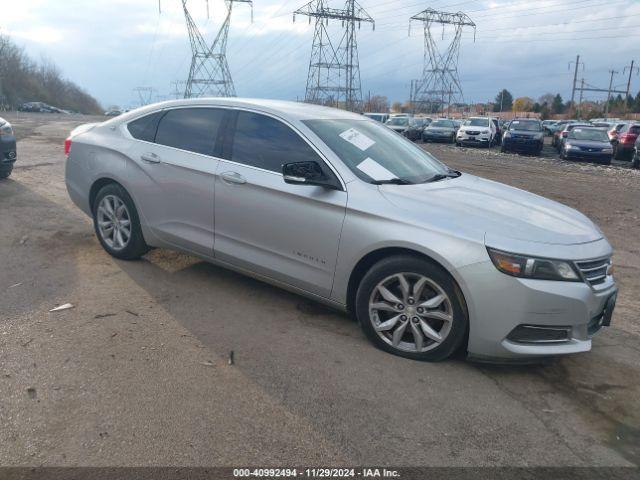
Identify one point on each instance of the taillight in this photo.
(67, 146)
(564, 134)
(627, 138)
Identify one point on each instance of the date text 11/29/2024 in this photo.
(315, 473)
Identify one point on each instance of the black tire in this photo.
(636, 161)
(417, 265)
(502, 149)
(616, 152)
(5, 172)
(605, 162)
(136, 246)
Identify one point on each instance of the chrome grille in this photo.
(594, 271)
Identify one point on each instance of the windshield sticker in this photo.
(577, 129)
(373, 169)
(357, 138)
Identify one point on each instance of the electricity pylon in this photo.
(334, 68)
(209, 74)
(440, 84)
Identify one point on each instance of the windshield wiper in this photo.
(441, 176)
(392, 181)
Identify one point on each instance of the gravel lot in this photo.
(137, 372)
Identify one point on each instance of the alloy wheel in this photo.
(114, 222)
(411, 312)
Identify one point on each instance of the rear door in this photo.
(176, 193)
(286, 232)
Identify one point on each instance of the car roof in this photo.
(281, 108)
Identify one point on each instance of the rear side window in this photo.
(267, 143)
(192, 129)
(144, 128)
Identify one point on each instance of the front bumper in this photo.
(437, 137)
(522, 144)
(499, 303)
(573, 154)
(479, 139)
(8, 152)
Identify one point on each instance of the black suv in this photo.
(7, 148)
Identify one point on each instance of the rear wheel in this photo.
(636, 160)
(410, 307)
(117, 224)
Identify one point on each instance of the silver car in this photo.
(341, 209)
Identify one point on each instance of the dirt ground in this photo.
(137, 373)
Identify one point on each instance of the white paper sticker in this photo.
(375, 170)
(357, 138)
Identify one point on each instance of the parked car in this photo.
(499, 130)
(415, 129)
(565, 132)
(398, 123)
(556, 130)
(8, 150)
(476, 131)
(523, 135)
(624, 144)
(113, 113)
(614, 130)
(587, 143)
(344, 220)
(40, 107)
(440, 130)
(547, 126)
(378, 117)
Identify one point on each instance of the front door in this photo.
(287, 232)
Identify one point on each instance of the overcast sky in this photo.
(111, 47)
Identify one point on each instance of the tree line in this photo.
(24, 80)
(550, 104)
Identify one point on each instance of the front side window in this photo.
(375, 153)
(264, 142)
(192, 129)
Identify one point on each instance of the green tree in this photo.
(558, 105)
(503, 101)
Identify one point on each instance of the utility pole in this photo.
(334, 68)
(606, 105)
(631, 68)
(440, 82)
(575, 79)
(501, 98)
(145, 95)
(580, 101)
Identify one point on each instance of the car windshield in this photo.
(398, 121)
(442, 123)
(476, 122)
(375, 153)
(528, 125)
(589, 134)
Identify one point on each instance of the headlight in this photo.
(607, 150)
(507, 134)
(5, 129)
(539, 136)
(569, 146)
(532, 267)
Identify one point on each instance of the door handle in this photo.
(150, 158)
(233, 177)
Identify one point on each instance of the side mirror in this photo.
(308, 173)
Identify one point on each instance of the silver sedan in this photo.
(341, 209)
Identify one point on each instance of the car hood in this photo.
(476, 207)
(588, 143)
(524, 133)
(440, 129)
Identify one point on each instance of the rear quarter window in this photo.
(144, 128)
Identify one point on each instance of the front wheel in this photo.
(117, 224)
(6, 172)
(410, 307)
